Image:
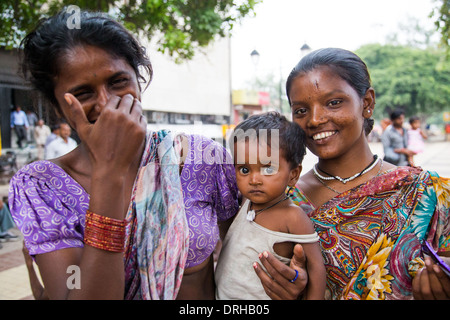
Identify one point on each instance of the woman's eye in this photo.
(82, 95)
(300, 111)
(119, 82)
(244, 170)
(269, 171)
(334, 103)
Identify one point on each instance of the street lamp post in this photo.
(255, 57)
(305, 49)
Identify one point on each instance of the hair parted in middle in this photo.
(346, 64)
(291, 136)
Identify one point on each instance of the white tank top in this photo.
(245, 240)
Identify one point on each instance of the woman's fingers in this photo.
(266, 281)
(77, 116)
(431, 283)
(439, 281)
(281, 281)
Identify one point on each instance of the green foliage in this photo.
(441, 16)
(414, 79)
(181, 26)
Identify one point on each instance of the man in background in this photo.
(41, 133)
(395, 141)
(62, 144)
(19, 123)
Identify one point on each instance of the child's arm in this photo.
(423, 134)
(315, 267)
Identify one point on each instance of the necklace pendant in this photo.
(251, 215)
(344, 181)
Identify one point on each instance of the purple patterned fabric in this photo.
(49, 206)
(210, 194)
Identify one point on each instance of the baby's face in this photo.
(262, 173)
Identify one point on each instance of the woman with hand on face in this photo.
(120, 207)
(371, 216)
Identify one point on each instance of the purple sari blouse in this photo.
(49, 206)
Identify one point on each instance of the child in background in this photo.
(268, 220)
(416, 138)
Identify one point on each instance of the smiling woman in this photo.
(121, 206)
(106, 76)
(371, 216)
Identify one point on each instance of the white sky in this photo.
(281, 27)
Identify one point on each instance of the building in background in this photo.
(247, 103)
(191, 97)
(13, 91)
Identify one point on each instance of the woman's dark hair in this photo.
(344, 63)
(52, 39)
(291, 135)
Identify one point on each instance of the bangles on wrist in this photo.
(104, 233)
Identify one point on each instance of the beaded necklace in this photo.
(345, 180)
(251, 214)
(334, 190)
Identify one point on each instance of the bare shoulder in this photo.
(307, 181)
(298, 221)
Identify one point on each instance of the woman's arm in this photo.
(39, 292)
(111, 153)
(317, 276)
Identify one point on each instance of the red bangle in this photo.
(104, 233)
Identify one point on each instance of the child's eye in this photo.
(268, 170)
(244, 170)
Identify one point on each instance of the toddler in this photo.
(416, 138)
(267, 152)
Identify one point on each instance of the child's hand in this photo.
(277, 283)
(431, 283)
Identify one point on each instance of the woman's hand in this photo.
(116, 136)
(114, 143)
(277, 283)
(431, 283)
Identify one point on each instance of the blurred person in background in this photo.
(41, 133)
(62, 144)
(19, 123)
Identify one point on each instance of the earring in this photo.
(290, 192)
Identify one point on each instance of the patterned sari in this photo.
(371, 235)
(158, 232)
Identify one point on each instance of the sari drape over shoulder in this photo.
(172, 218)
(158, 232)
(371, 235)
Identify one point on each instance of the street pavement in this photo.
(14, 281)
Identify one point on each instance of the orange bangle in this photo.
(104, 233)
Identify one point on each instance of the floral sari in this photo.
(371, 235)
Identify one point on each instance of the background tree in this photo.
(441, 16)
(181, 26)
(417, 80)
